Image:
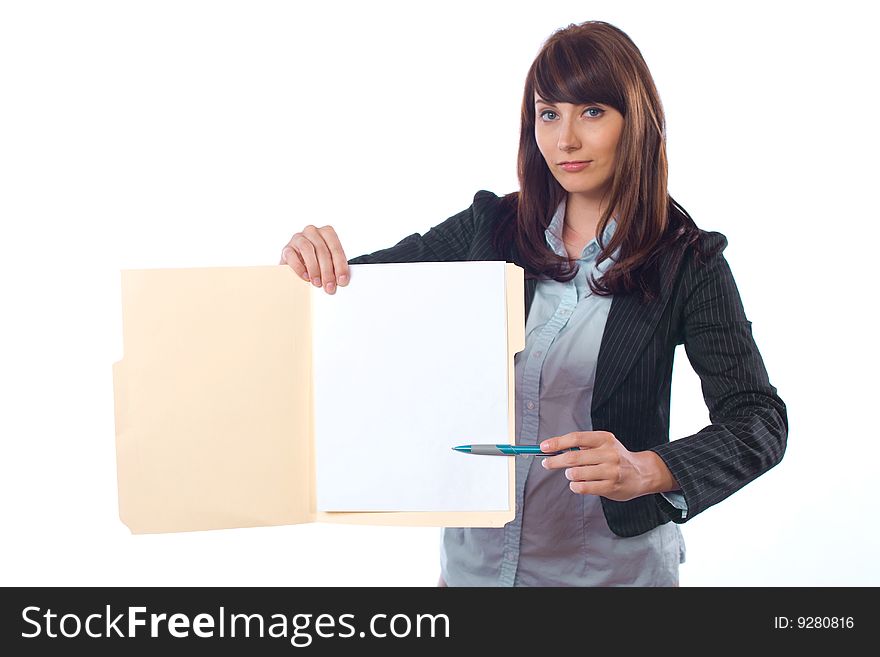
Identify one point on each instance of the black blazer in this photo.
(700, 307)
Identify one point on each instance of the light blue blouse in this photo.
(560, 538)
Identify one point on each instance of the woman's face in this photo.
(573, 133)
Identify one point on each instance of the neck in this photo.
(582, 215)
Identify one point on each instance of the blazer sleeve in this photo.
(749, 426)
(448, 241)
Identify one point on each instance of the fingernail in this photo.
(544, 463)
(305, 277)
(343, 279)
(568, 473)
(331, 287)
(545, 446)
(316, 282)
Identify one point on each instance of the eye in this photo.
(597, 113)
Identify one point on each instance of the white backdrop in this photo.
(166, 134)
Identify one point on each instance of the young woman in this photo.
(617, 275)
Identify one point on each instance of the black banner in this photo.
(343, 620)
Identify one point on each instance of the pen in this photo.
(508, 450)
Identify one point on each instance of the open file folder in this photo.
(247, 397)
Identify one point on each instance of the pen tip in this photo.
(462, 448)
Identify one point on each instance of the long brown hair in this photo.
(597, 62)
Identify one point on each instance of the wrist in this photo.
(656, 476)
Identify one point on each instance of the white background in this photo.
(160, 134)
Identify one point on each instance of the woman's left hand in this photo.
(603, 466)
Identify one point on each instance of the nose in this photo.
(567, 140)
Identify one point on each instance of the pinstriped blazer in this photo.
(699, 306)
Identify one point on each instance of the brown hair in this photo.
(597, 62)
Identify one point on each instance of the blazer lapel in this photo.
(530, 285)
(628, 328)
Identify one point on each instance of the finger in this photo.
(574, 439)
(578, 457)
(589, 487)
(598, 472)
(289, 256)
(325, 259)
(306, 250)
(340, 262)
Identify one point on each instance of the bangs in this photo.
(563, 74)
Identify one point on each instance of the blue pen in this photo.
(508, 450)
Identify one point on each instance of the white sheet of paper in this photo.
(410, 359)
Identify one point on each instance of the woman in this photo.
(617, 275)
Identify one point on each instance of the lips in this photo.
(575, 166)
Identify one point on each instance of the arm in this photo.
(749, 426)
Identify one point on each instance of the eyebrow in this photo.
(547, 102)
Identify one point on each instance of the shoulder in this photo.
(494, 219)
(711, 241)
(704, 249)
(704, 269)
(686, 245)
(692, 256)
(692, 247)
(489, 207)
(707, 249)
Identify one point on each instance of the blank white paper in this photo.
(410, 360)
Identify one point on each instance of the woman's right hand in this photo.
(316, 255)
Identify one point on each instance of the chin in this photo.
(578, 189)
